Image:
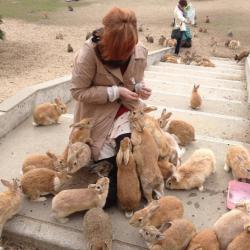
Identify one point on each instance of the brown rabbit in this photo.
(241, 241)
(10, 202)
(49, 113)
(50, 161)
(82, 131)
(169, 148)
(128, 185)
(79, 156)
(206, 239)
(157, 212)
(166, 167)
(174, 235)
(238, 159)
(193, 172)
(162, 40)
(232, 223)
(42, 181)
(242, 55)
(97, 228)
(170, 43)
(195, 101)
(74, 200)
(146, 156)
(183, 130)
(87, 175)
(170, 58)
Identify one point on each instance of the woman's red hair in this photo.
(120, 34)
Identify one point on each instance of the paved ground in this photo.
(34, 223)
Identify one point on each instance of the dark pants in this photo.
(178, 45)
(112, 196)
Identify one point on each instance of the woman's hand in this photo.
(127, 94)
(143, 91)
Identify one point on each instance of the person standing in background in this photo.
(180, 22)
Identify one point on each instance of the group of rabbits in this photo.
(146, 162)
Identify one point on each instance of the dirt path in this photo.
(31, 54)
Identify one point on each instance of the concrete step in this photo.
(175, 66)
(192, 72)
(225, 59)
(34, 223)
(211, 105)
(216, 84)
(181, 88)
(226, 63)
(210, 124)
(189, 78)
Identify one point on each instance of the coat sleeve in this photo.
(84, 70)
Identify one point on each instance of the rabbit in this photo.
(170, 58)
(193, 172)
(168, 148)
(10, 202)
(234, 44)
(162, 40)
(70, 48)
(50, 161)
(195, 101)
(97, 228)
(146, 155)
(82, 131)
(232, 223)
(174, 235)
(242, 55)
(149, 39)
(165, 209)
(241, 241)
(166, 167)
(183, 130)
(170, 43)
(238, 159)
(41, 181)
(205, 239)
(74, 200)
(187, 58)
(87, 175)
(205, 63)
(49, 113)
(207, 20)
(128, 185)
(79, 156)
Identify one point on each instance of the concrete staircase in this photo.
(221, 121)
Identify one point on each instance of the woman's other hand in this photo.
(143, 92)
(127, 94)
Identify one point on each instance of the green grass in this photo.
(30, 10)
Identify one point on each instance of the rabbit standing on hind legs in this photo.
(128, 185)
(146, 154)
(195, 101)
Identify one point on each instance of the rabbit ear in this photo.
(7, 183)
(126, 156)
(149, 109)
(58, 100)
(51, 155)
(166, 116)
(91, 186)
(119, 157)
(164, 111)
(165, 226)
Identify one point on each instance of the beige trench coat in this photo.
(90, 79)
